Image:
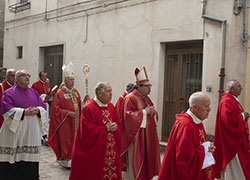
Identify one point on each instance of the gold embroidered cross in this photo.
(202, 134)
(209, 173)
(106, 114)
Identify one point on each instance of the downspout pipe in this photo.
(223, 46)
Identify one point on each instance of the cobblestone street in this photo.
(50, 169)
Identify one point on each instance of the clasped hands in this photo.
(211, 148)
(111, 126)
(31, 111)
(150, 110)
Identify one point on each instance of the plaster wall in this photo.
(235, 53)
(2, 2)
(115, 39)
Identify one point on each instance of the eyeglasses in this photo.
(25, 75)
(147, 85)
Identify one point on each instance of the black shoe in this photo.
(45, 140)
(46, 143)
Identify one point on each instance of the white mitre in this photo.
(68, 70)
(141, 75)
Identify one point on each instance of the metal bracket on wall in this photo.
(238, 6)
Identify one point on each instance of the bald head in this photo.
(197, 97)
(10, 76)
(199, 104)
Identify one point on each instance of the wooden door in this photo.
(183, 76)
(53, 64)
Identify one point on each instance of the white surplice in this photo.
(20, 140)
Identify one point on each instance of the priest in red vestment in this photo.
(42, 86)
(7, 83)
(140, 144)
(119, 103)
(232, 154)
(64, 119)
(96, 152)
(188, 155)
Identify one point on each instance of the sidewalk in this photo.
(50, 170)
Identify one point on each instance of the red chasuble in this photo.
(3, 87)
(184, 155)
(63, 128)
(146, 149)
(119, 104)
(41, 88)
(96, 152)
(231, 136)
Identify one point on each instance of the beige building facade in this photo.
(1, 29)
(184, 46)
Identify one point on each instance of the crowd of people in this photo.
(98, 141)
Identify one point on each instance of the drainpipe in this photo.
(223, 48)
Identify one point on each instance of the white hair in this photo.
(10, 70)
(230, 84)
(195, 97)
(19, 72)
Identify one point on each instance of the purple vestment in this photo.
(20, 97)
(20, 135)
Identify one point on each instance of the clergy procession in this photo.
(94, 139)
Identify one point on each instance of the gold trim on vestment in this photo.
(73, 95)
(209, 172)
(202, 135)
(109, 168)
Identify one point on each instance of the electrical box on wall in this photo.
(209, 88)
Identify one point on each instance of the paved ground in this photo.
(50, 169)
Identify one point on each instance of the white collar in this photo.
(68, 88)
(9, 83)
(237, 99)
(99, 102)
(195, 118)
(42, 81)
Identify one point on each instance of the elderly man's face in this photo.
(11, 77)
(105, 96)
(202, 108)
(23, 79)
(69, 82)
(236, 89)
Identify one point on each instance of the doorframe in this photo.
(179, 52)
(42, 54)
